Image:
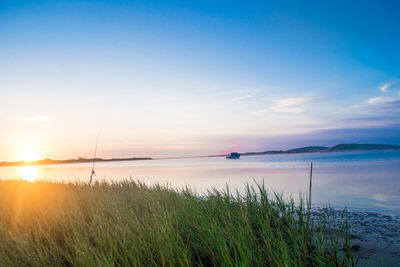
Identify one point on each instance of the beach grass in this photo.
(130, 224)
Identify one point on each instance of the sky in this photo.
(185, 78)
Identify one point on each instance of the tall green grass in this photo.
(128, 223)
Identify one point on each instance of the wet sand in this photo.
(375, 237)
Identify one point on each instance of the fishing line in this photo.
(95, 153)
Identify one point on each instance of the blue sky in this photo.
(171, 78)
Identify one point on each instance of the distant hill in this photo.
(315, 149)
(270, 152)
(307, 149)
(361, 147)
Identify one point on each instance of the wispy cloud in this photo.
(382, 100)
(377, 100)
(381, 104)
(286, 105)
(238, 98)
(290, 105)
(384, 87)
(31, 118)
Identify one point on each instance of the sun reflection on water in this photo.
(28, 173)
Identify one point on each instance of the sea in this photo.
(368, 181)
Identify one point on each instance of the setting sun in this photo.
(28, 155)
(28, 173)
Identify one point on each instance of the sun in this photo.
(28, 154)
(28, 173)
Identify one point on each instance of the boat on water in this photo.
(233, 155)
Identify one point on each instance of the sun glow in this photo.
(28, 173)
(28, 155)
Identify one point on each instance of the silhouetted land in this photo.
(53, 161)
(336, 148)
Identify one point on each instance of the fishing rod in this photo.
(94, 157)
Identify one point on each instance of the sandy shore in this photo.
(375, 237)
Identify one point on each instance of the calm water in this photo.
(361, 180)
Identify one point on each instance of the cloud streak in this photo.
(377, 100)
(376, 111)
(286, 105)
(290, 105)
(382, 100)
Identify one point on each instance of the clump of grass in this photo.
(129, 223)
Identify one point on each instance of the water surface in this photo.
(360, 180)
